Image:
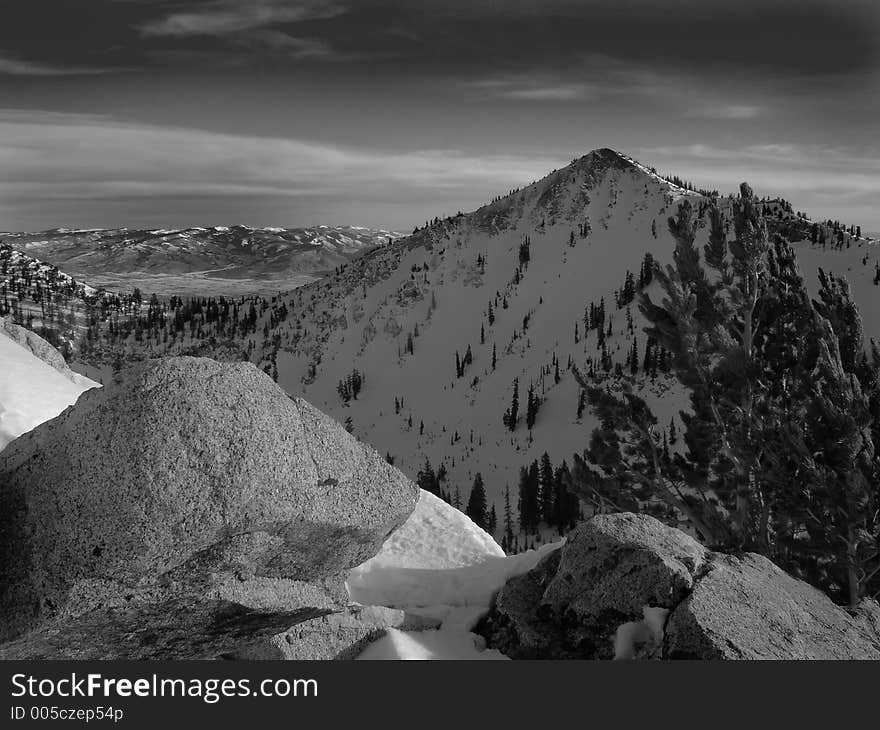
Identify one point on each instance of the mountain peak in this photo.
(562, 195)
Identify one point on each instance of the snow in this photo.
(439, 564)
(558, 283)
(423, 645)
(31, 391)
(422, 543)
(648, 632)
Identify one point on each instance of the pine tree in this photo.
(476, 506)
(512, 414)
(582, 402)
(532, 405)
(780, 438)
(508, 517)
(427, 479)
(529, 504)
(547, 489)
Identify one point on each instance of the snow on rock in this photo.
(423, 645)
(424, 540)
(636, 639)
(439, 564)
(31, 390)
(438, 559)
(467, 585)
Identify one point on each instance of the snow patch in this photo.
(439, 564)
(640, 637)
(424, 645)
(31, 391)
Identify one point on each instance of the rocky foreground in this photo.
(627, 586)
(193, 510)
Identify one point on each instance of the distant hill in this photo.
(220, 259)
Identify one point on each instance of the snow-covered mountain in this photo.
(512, 283)
(155, 259)
(417, 345)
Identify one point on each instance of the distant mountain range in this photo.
(179, 260)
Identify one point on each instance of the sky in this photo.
(385, 113)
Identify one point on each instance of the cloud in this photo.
(548, 93)
(727, 111)
(822, 180)
(536, 88)
(57, 157)
(224, 17)
(281, 44)
(18, 67)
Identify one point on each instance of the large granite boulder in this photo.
(183, 470)
(748, 608)
(211, 629)
(627, 585)
(614, 567)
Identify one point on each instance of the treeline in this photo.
(544, 498)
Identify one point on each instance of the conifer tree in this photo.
(427, 479)
(529, 504)
(582, 402)
(512, 414)
(508, 518)
(780, 438)
(547, 489)
(476, 506)
(532, 405)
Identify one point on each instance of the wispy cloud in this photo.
(279, 43)
(531, 88)
(19, 67)
(823, 180)
(223, 17)
(548, 93)
(57, 157)
(727, 111)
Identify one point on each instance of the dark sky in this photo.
(385, 112)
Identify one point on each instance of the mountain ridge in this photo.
(416, 345)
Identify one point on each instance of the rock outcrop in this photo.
(187, 483)
(340, 635)
(167, 630)
(626, 585)
(748, 608)
(40, 349)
